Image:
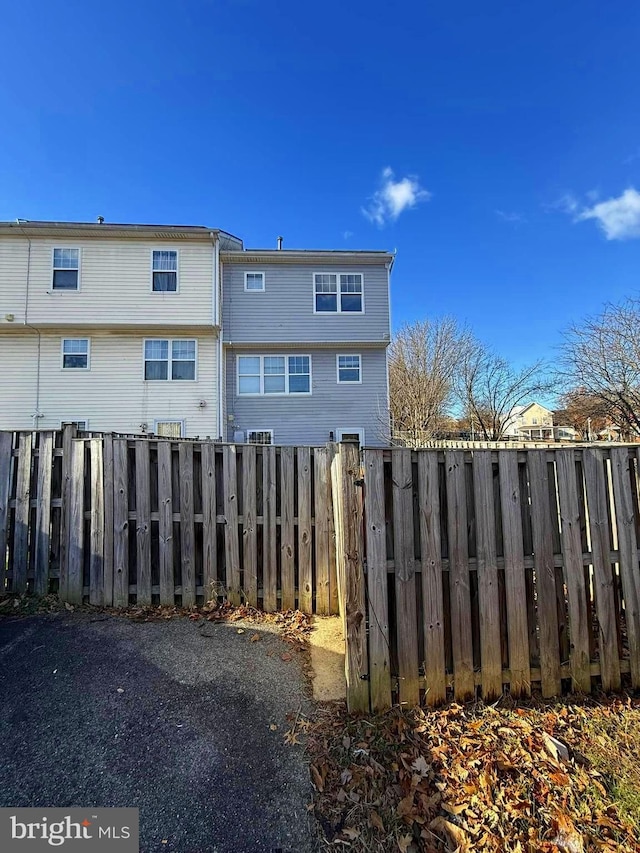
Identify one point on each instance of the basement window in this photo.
(260, 436)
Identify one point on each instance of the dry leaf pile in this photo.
(466, 779)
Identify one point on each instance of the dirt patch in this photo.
(326, 644)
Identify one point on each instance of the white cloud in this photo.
(510, 216)
(567, 203)
(388, 202)
(347, 234)
(618, 217)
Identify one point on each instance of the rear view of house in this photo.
(113, 326)
(176, 330)
(305, 335)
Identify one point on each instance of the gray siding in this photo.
(309, 419)
(284, 311)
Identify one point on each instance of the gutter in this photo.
(216, 310)
(37, 414)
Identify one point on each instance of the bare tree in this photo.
(582, 411)
(601, 356)
(424, 358)
(489, 388)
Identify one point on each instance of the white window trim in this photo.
(338, 305)
(255, 444)
(85, 421)
(359, 430)
(347, 381)
(286, 392)
(169, 359)
(62, 353)
(180, 421)
(252, 289)
(165, 292)
(53, 289)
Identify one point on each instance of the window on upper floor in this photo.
(165, 271)
(254, 282)
(66, 269)
(274, 374)
(169, 360)
(75, 353)
(349, 369)
(338, 293)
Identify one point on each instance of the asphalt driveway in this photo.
(175, 718)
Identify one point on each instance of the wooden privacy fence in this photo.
(484, 569)
(118, 521)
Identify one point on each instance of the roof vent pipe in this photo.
(280, 242)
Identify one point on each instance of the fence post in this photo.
(6, 446)
(347, 508)
(69, 432)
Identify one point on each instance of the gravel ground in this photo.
(171, 717)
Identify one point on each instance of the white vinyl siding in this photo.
(112, 396)
(269, 375)
(114, 286)
(66, 269)
(75, 354)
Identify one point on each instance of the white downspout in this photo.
(217, 314)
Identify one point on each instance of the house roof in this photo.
(29, 227)
(520, 410)
(315, 256)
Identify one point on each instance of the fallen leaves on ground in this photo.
(467, 778)
(293, 625)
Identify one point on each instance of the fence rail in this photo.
(115, 521)
(484, 569)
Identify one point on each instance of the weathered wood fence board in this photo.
(514, 571)
(432, 593)
(348, 510)
(574, 571)
(376, 580)
(523, 567)
(134, 520)
(405, 580)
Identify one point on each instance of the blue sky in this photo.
(495, 145)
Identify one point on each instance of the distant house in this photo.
(531, 422)
(181, 331)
